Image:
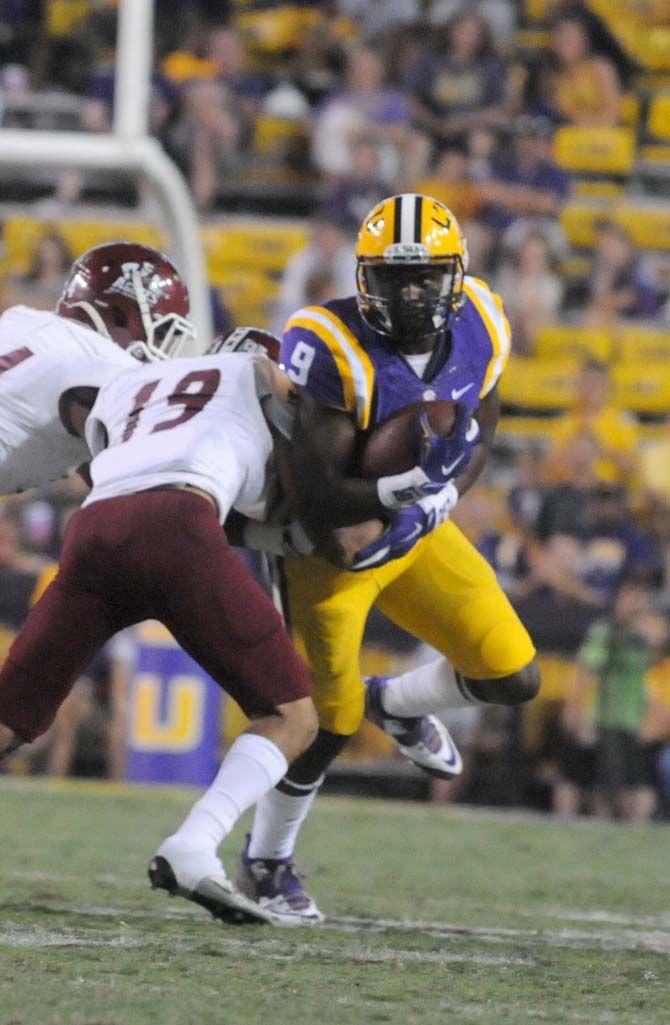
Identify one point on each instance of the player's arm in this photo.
(324, 444)
(486, 415)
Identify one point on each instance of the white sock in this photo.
(427, 689)
(252, 766)
(278, 819)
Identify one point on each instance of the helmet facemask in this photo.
(409, 299)
(164, 336)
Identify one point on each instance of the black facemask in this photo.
(408, 300)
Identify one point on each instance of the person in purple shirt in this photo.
(528, 183)
(462, 86)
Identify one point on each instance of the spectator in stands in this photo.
(328, 251)
(594, 413)
(617, 287)
(531, 290)
(613, 546)
(353, 195)
(450, 181)
(461, 86)
(528, 185)
(42, 285)
(214, 125)
(572, 470)
(382, 16)
(610, 702)
(366, 108)
(574, 85)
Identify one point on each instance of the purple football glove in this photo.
(406, 527)
(441, 460)
(445, 458)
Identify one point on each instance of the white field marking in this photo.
(533, 1012)
(653, 942)
(19, 936)
(594, 915)
(273, 949)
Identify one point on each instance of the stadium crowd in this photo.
(318, 111)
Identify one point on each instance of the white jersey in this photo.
(195, 421)
(43, 355)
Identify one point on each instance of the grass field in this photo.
(436, 916)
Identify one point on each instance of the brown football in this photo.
(393, 446)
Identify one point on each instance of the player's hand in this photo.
(442, 459)
(407, 526)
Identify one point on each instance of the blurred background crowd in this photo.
(545, 126)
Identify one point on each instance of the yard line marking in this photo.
(274, 949)
(652, 941)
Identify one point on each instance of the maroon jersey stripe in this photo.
(12, 359)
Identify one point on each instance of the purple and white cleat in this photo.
(274, 884)
(424, 739)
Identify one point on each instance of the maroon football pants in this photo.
(152, 555)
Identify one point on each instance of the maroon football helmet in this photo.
(132, 294)
(247, 339)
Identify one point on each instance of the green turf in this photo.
(438, 916)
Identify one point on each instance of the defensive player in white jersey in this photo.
(120, 301)
(176, 446)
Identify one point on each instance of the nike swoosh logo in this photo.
(415, 532)
(457, 392)
(446, 470)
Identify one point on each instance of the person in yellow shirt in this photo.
(613, 432)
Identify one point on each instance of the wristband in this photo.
(402, 489)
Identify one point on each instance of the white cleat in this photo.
(424, 739)
(201, 878)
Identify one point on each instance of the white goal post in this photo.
(130, 149)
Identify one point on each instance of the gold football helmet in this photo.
(411, 259)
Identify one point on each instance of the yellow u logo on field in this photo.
(179, 727)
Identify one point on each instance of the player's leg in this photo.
(225, 621)
(450, 598)
(328, 611)
(62, 633)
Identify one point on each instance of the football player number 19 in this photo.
(302, 358)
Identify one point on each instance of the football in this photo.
(393, 446)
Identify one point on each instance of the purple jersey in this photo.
(331, 352)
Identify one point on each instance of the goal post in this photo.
(130, 149)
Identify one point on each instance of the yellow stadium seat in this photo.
(658, 154)
(22, 233)
(630, 109)
(263, 246)
(62, 16)
(557, 341)
(643, 387)
(529, 428)
(648, 225)
(278, 29)
(658, 120)
(596, 149)
(534, 383)
(539, 10)
(579, 221)
(638, 343)
(245, 288)
(251, 316)
(275, 135)
(598, 190)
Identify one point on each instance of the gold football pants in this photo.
(443, 592)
